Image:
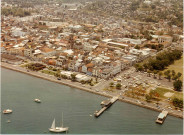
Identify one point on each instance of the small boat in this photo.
(37, 100)
(7, 111)
(8, 121)
(161, 117)
(58, 129)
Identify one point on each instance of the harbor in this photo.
(77, 106)
(64, 82)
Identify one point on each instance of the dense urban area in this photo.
(129, 48)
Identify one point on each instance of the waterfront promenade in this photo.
(88, 89)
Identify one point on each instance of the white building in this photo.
(80, 77)
(69, 52)
(66, 73)
(17, 32)
(165, 38)
(89, 47)
(116, 68)
(131, 58)
(28, 52)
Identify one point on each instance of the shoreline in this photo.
(11, 67)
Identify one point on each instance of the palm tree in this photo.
(136, 67)
(169, 77)
(73, 77)
(173, 73)
(149, 72)
(160, 74)
(96, 79)
(111, 84)
(140, 68)
(169, 71)
(145, 66)
(179, 74)
(175, 77)
(57, 74)
(155, 72)
(167, 74)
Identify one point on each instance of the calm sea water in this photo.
(19, 90)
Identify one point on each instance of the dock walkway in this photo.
(112, 100)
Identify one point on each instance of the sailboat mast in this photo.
(62, 120)
(53, 124)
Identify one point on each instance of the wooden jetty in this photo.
(161, 117)
(105, 105)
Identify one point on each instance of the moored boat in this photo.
(37, 100)
(7, 111)
(58, 129)
(8, 121)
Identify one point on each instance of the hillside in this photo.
(140, 10)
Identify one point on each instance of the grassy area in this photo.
(24, 65)
(109, 89)
(162, 91)
(177, 66)
(48, 72)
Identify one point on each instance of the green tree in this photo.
(155, 72)
(15, 12)
(179, 74)
(173, 73)
(57, 74)
(178, 102)
(64, 76)
(166, 72)
(168, 75)
(175, 77)
(137, 47)
(54, 69)
(91, 84)
(96, 79)
(177, 85)
(149, 73)
(140, 68)
(160, 74)
(148, 98)
(136, 67)
(91, 81)
(153, 6)
(118, 86)
(83, 82)
(111, 84)
(135, 5)
(145, 65)
(73, 77)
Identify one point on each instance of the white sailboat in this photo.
(58, 129)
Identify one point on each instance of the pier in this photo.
(105, 105)
(161, 117)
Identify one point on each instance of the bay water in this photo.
(19, 90)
